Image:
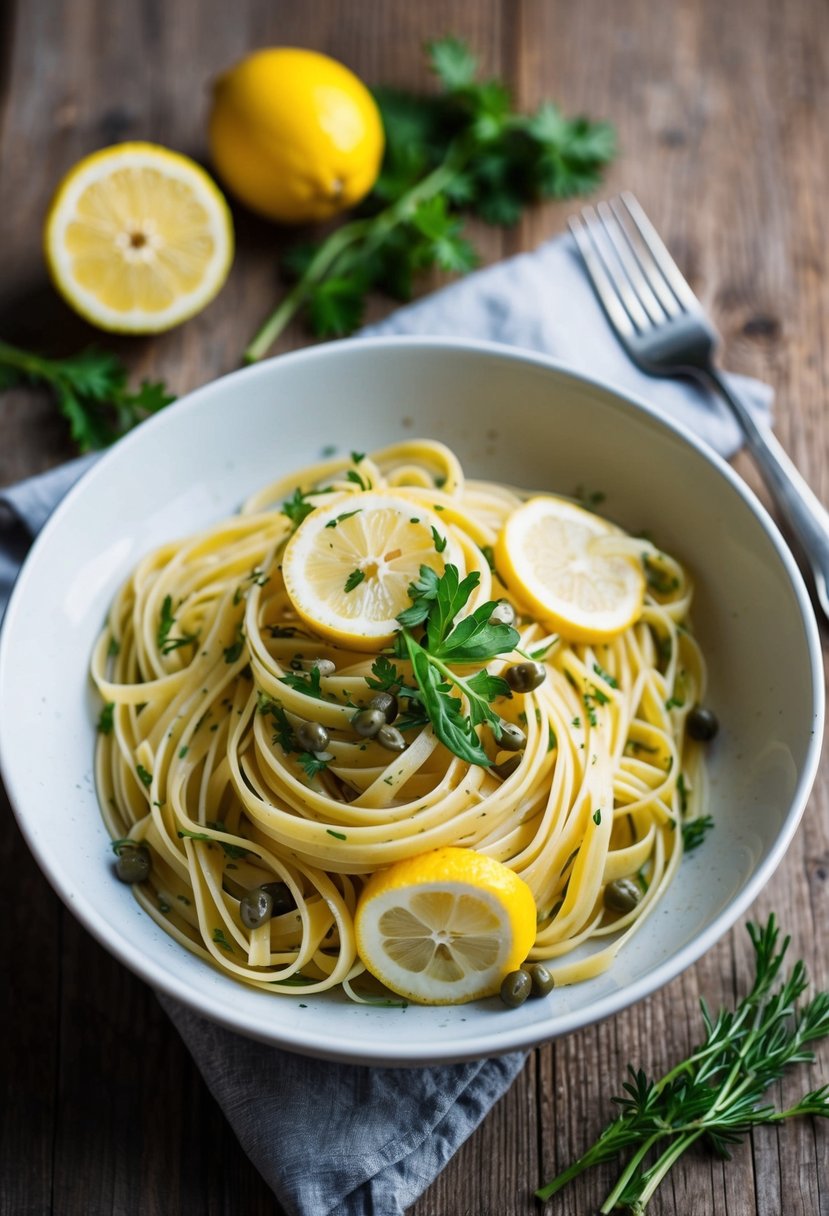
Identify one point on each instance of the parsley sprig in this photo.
(436, 602)
(464, 151)
(718, 1094)
(90, 389)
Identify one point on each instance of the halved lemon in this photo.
(559, 560)
(138, 238)
(445, 927)
(349, 565)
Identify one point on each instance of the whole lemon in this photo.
(295, 135)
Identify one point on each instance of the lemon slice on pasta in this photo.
(445, 927)
(349, 565)
(572, 569)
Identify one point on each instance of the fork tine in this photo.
(630, 263)
(604, 288)
(615, 292)
(643, 260)
(656, 248)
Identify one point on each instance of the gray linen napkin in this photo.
(343, 1139)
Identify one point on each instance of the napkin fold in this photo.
(346, 1140)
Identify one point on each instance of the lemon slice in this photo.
(138, 238)
(445, 927)
(559, 559)
(348, 566)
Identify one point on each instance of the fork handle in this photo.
(803, 511)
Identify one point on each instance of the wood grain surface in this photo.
(721, 111)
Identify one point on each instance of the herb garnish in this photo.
(718, 1094)
(165, 643)
(297, 507)
(464, 151)
(106, 718)
(354, 579)
(338, 519)
(695, 830)
(144, 777)
(436, 601)
(308, 683)
(90, 389)
(233, 652)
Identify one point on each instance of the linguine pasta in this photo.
(206, 672)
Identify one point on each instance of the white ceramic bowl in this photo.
(512, 416)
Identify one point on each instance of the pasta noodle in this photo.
(205, 669)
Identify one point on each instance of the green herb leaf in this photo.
(308, 682)
(90, 389)
(106, 718)
(297, 507)
(354, 579)
(719, 1092)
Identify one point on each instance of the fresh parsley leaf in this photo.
(297, 507)
(385, 675)
(233, 652)
(309, 683)
(90, 389)
(454, 728)
(106, 718)
(145, 777)
(464, 151)
(354, 579)
(440, 541)
(438, 600)
(332, 523)
(453, 63)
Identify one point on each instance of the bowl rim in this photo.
(312, 1043)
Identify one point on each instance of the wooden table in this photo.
(721, 113)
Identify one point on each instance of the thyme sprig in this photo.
(716, 1095)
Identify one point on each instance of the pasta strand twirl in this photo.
(205, 671)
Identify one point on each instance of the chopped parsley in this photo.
(354, 579)
(105, 718)
(332, 523)
(695, 831)
(144, 777)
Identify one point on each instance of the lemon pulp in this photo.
(445, 927)
(349, 565)
(571, 568)
(138, 238)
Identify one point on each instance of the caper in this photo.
(702, 724)
(542, 979)
(524, 677)
(507, 767)
(312, 736)
(281, 898)
(391, 738)
(622, 895)
(325, 667)
(133, 864)
(512, 737)
(255, 907)
(367, 722)
(515, 988)
(502, 614)
(386, 702)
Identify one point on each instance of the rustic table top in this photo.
(721, 115)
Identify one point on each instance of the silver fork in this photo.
(662, 326)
